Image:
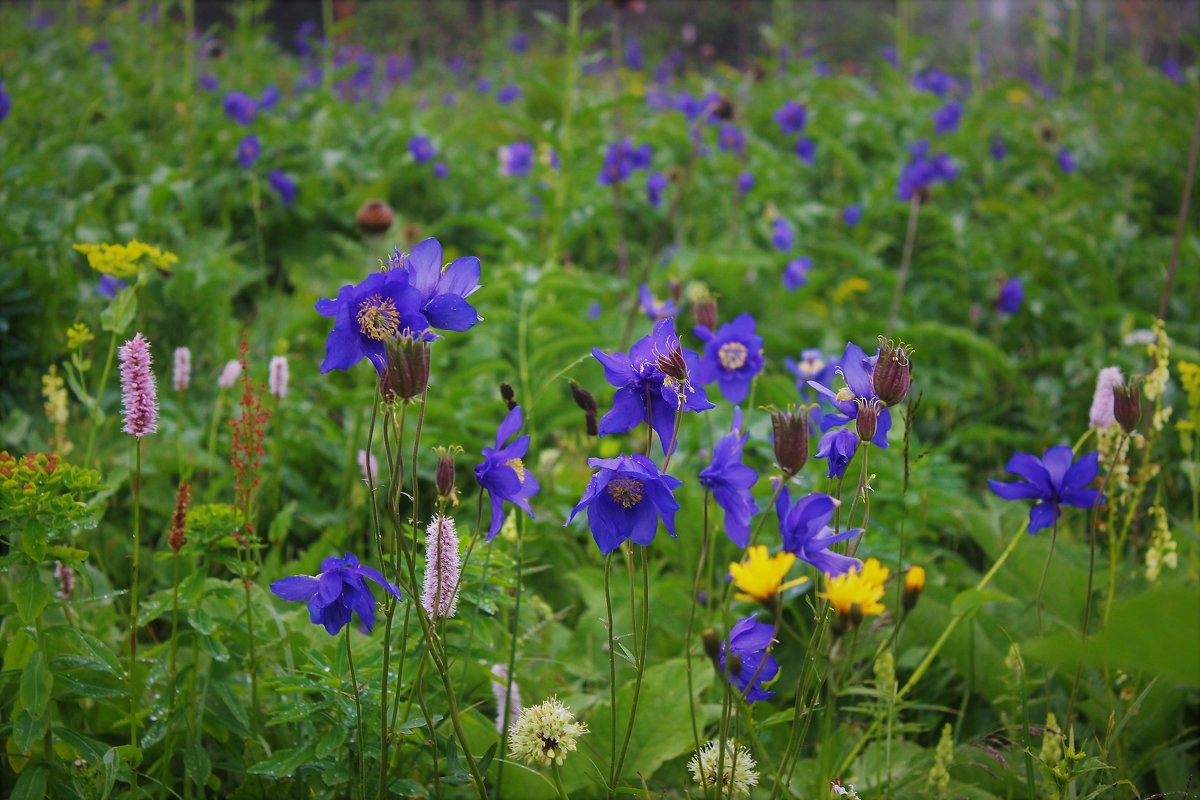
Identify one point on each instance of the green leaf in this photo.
(285, 762)
(31, 785)
(197, 762)
(973, 599)
(117, 315)
(111, 770)
(27, 729)
(36, 684)
(30, 595)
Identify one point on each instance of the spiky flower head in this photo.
(442, 569)
(760, 576)
(731, 768)
(278, 377)
(545, 733)
(1101, 414)
(181, 375)
(138, 395)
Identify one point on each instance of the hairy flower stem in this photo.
(362, 742)
(513, 639)
(687, 650)
(1045, 573)
(910, 236)
(133, 605)
(389, 610)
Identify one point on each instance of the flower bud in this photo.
(704, 310)
(856, 614)
(509, 397)
(867, 418)
(374, 217)
(1127, 405)
(914, 583)
(672, 364)
(583, 398)
(733, 664)
(893, 372)
(712, 643)
(406, 373)
(790, 427)
(444, 474)
(178, 535)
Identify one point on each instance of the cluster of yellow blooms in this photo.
(856, 594)
(126, 260)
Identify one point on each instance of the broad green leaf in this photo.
(31, 785)
(30, 595)
(285, 762)
(36, 684)
(117, 315)
(27, 729)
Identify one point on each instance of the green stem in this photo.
(570, 79)
(98, 399)
(558, 782)
(169, 750)
(687, 649)
(134, 703)
(218, 407)
(1072, 45)
(910, 236)
(612, 672)
(640, 653)
(362, 743)
(512, 649)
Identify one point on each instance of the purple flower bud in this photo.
(790, 428)
(406, 373)
(893, 372)
(1127, 405)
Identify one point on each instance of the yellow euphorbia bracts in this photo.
(126, 260)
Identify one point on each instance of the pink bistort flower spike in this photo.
(440, 595)
(182, 374)
(278, 377)
(138, 394)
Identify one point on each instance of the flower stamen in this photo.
(378, 318)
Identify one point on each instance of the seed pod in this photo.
(506, 392)
(1127, 405)
(406, 373)
(374, 217)
(893, 372)
(867, 419)
(791, 439)
(705, 311)
(914, 583)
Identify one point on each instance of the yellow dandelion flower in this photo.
(760, 576)
(858, 591)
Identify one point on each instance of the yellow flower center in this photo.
(517, 466)
(377, 317)
(626, 491)
(732, 355)
(845, 394)
(812, 367)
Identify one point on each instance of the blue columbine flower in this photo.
(656, 184)
(441, 170)
(283, 185)
(856, 368)
(745, 182)
(653, 384)
(807, 150)
(594, 310)
(751, 641)
(421, 149)
(625, 499)
(923, 170)
(248, 150)
(622, 159)
(782, 234)
(366, 314)
(730, 482)
(813, 365)
(516, 159)
(653, 308)
(1066, 161)
(109, 286)
(483, 85)
(839, 446)
(1172, 70)
(269, 98)
(336, 592)
(732, 357)
(633, 54)
(999, 149)
(852, 215)
(509, 93)
(5, 101)
(731, 139)
(1010, 296)
(443, 293)
(240, 107)
(1053, 480)
(791, 117)
(946, 118)
(503, 474)
(209, 82)
(806, 532)
(936, 81)
(890, 55)
(519, 42)
(796, 273)
(398, 69)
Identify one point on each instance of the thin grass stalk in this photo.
(362, 742)
(133, 606)
(910, 235)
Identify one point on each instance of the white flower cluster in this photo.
(737, 774)
(545, 733)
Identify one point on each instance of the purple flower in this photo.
(503, 475)
(946, 118)
(283, 185)
(240, 107)
(443, 571)
(303, 38)
(839, 446)
(813, 366)
(209, 82)
(594, 310)
(625, 499)
(519, 42)
(1171, 69)
(852, 215)
(5, 101)
(653, 384)
(337, 592)
(999, 149)
(791, 118)
(621, 159)
(732, 357)
(443, 293)
(923, 170)
(935, 81)
(109, 286)
(656, 184)
(440, 170)
(730, 482)
(807, 150)
(807, 535)
(366, 314)
(483, 85)
(508, 94)
(782, 234)
(421, 149)
(745, 182)
(139, 397)
(890, 55)
(398, 69)
(269, 98)
(653, 308)
(1054, 480)
(516, 159)
(731, 139)
(450, 99)
(751, 642)
(248, 150)
(1010, 296)
(1066, 161)
(633, 54)
(796, 273)
(856, 368)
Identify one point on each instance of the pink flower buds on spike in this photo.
(138, 394)
(439, 597)
(1101, 413)
(229, 374)
(182, 374)
(277, 377)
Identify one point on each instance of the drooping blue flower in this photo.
(783, 236)
(856, 368)
(503, 474)
(441, 170)
(209, 82)
(923, 170)
(656, 184)
(1172, 70)
(483, 85)
(1054, 480)
(625, 499)
(730, 482)
(5, 101)
(795, 274)
(269, 98)
(337, 592)
(248, 150)
(936, 81)
(806, 532)
(852, 215)
(745, 182)
(807, 150)
(283, 185)
(240, 107)
(633, 54)
(398, 69)
(890, 55)
(303, 38)
(751, 641)
(509, 93)
(519, 42)
(1010, 296)
(594, 310)
(999, 149)
(621, 159)
(443, 293)
(732, 357)
(838, 446)
(108, 287)
(731, 139)
(516, 159)
(653, 308)
(791, 118)
(421, 149)
(1066, 161)
(366, 314)
(654, 382)
(946, 118)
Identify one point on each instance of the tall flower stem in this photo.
(570, 80)
(218, 407)
(98, 399)
(640, 655)
(1045, 573)
(134, 703)
(512, 648)
(389, 611)
(362, 743)
(1181, 222)
(612, 673)
(910, 236)
(558, 781)
(169, 749)
(687, 649)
